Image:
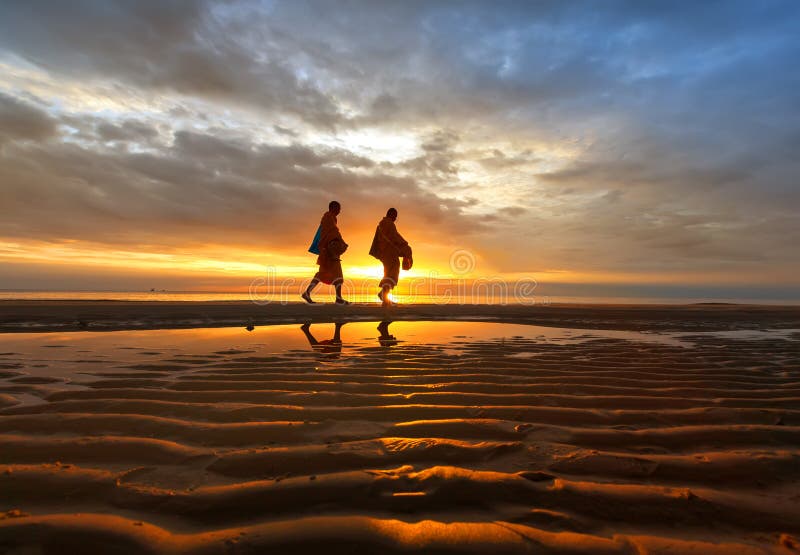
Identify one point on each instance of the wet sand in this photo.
(435, 437)
(24, 316)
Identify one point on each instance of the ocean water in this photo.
(325, 294)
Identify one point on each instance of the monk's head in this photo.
(334, 207)
(392, 214)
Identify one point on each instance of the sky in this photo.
(607, 147)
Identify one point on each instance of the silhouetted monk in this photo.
(331, 247)
(388, 246)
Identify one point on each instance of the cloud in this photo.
(20, 120)
(134, 131)
(634, 136)
(175, 45)
(201, 189)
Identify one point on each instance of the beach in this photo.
(380, 277)
(221, 427)
(66, 315)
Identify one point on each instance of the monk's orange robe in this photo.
(388, 246)
(330, 265)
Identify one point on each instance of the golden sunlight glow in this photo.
(378, 145)
(235, 269)
(68, 254)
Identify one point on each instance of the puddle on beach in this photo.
(34, 365)
(67, 355)
(76, 349)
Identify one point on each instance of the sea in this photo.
(325, 296)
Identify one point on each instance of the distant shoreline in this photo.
(405, 297)
(98, 315)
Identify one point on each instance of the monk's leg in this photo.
(391, 273)
(334, 271)
(386, 288)
(307, 294)
(339, 298)
(338, 280)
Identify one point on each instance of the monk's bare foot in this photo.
(385, 301)
(307, 298)
(342, 301)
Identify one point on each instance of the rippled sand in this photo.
(427, 437)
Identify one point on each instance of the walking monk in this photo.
(331, 247)
(388, 246)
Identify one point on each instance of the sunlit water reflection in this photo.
(67, 357)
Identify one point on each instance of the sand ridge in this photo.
(504, 446)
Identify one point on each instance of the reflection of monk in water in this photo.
(388, 246)
(332, 346)
(331, 248)
(386, 339)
